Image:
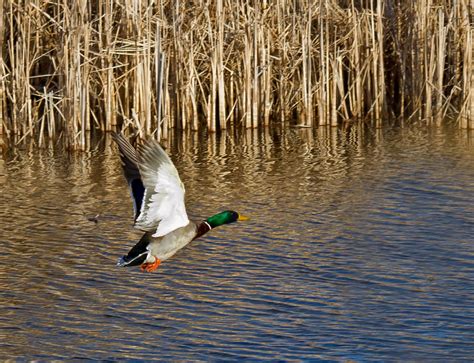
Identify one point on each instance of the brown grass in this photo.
(67, 67)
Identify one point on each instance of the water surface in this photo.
(360, 247)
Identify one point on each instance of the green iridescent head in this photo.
(226, 217)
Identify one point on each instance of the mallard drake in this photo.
(158, 200)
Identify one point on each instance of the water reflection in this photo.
(360, 247)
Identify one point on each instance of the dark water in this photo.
(360, 247)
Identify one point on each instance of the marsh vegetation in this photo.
(67, 67)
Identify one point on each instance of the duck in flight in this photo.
(158, 200)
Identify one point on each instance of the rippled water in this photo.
(360, 247)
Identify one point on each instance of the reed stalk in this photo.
(2, 72)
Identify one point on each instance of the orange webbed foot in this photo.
(150, 267)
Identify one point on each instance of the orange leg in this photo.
(150, 267)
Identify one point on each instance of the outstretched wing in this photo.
(163, 202)
(129, 158)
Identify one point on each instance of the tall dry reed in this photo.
(70, 66)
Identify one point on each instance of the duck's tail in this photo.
(138, 254)
(132, 261)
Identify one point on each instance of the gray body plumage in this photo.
(166, 246)
(150, 248)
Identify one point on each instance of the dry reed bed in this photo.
(69, 66)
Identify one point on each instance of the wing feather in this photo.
(129, 158)
(163, 205)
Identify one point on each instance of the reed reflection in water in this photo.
(360, 247)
